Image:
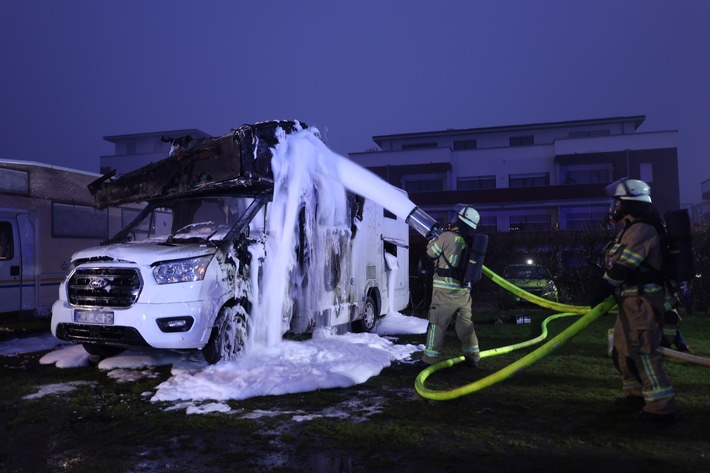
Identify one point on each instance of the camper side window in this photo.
(6, 246)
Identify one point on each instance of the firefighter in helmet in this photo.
(632, 263)
(449, 296)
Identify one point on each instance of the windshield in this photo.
(193, 219)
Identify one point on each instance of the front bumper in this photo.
(138, 325)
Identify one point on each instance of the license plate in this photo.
(93, 317)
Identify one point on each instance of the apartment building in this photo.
(530, 177)
(133, 151)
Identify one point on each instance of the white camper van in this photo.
(46, 215)
(188, 272)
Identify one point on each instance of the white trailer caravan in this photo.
(189, 271)
(46, 214)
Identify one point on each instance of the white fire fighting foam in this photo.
(308, 175)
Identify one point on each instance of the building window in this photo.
(468, 144)
(585, 174)
(530, 223)
(646, 172)
(585, 219)
(588, 133)
(423, 182)
(442, 216)
(476, 182)
(534, 179)
(522, 140)
(418, 146)
(487, 224)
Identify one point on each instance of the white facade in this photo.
(528, 177)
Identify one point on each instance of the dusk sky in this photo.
(76, 71)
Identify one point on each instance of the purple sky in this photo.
(73, 72)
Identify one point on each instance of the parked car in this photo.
(533, 278)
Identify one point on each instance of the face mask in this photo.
(615, 214)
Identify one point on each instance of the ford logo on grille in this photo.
(98, 283)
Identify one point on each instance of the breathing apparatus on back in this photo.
(472, 260)
(633, 197)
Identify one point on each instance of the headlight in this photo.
(186, 270)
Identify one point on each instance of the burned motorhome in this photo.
(196, 267)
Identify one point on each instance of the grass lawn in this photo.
(555, 416)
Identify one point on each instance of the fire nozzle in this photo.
(423, 223)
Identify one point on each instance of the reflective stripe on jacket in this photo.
(633, 258)
(449, 246)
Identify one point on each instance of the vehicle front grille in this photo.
(110, 335)
(104, 287)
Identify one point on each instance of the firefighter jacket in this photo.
(633, 259)
(448, 251)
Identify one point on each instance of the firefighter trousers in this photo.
(637, 336)
(444, 305)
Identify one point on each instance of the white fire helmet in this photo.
(469, 216)
(629, 189)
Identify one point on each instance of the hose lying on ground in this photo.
(513, 368)
(591, 314)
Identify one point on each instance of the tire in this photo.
(369, 317)
(229, 336)
(102, 351)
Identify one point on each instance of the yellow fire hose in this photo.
(591, 314)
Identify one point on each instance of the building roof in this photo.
(636, 119)
(194, 132)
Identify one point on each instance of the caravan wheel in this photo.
(369, 317)
(228, 337)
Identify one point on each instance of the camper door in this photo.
(10, 264)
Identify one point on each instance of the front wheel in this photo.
(369, 317)
(229, 335)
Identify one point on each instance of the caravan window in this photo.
(78, 221)
(6, 244)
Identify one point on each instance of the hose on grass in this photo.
(591, 314)
(513, 368)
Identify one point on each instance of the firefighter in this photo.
(449, 296)
(632, 263)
